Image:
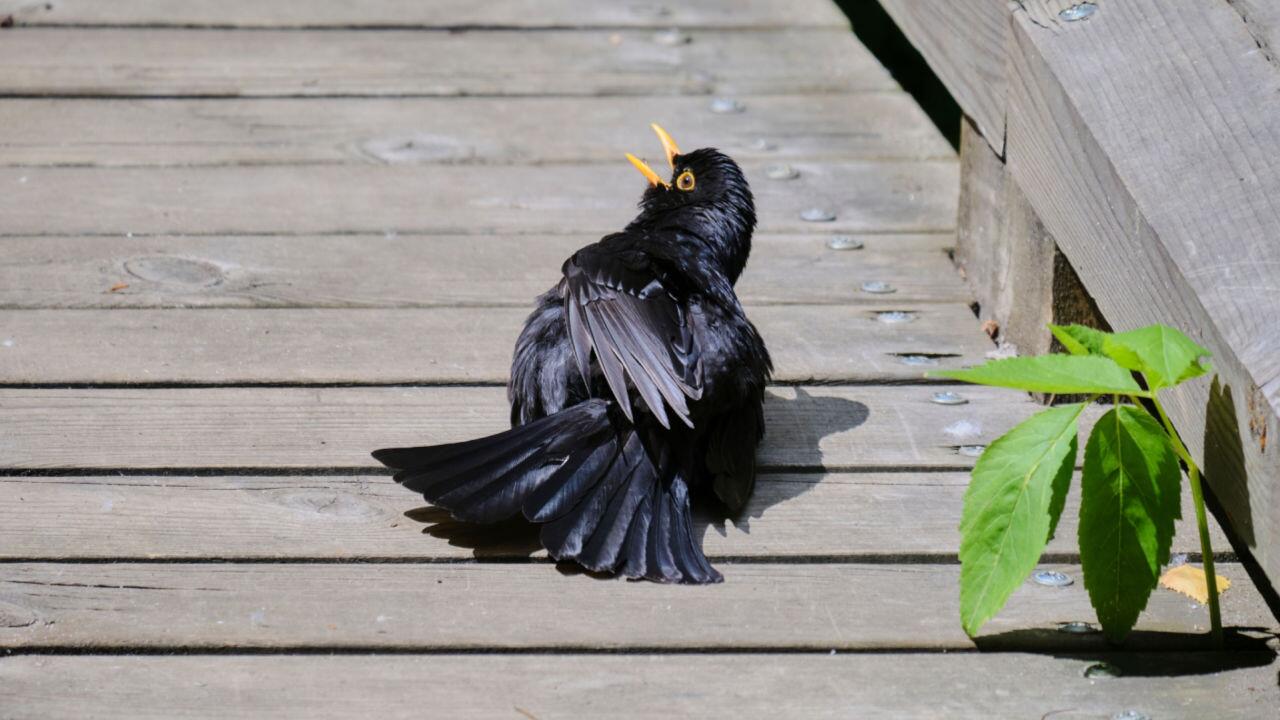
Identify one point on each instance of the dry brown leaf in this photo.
(1192, 582)
(118, 287)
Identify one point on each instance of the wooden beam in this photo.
(848, 516)
(809, 427)
(471, 606)
(437, 14)
(526, 130)
(963, 41)
(230, 63)
(352, 271)
(1142, 137)
(809, 343)
(1021, 280)
(864, 196)
(636, 686)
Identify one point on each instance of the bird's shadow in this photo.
(797, 421)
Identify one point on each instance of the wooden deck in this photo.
(243, 243)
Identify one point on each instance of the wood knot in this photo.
(171, 270)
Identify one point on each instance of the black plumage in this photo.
(636, 382)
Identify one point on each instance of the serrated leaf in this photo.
(1128, 504)
(1011, 509)
(1058, 374)
(1192, 581)
(1164, 355)
(1079, 339)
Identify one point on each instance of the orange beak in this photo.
(668, 146)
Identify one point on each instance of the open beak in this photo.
(668, 146)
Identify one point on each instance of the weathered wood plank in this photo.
(1021, 280)
(436, 14)
(1138, 137)
(911, 196)
(838, 515)
(122, 132)
(648, 687)
(228, 63)
(501, 606)
(342, 271)
(809, 427)
(964, 43)
(823, 343)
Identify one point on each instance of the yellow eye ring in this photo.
(685, 182)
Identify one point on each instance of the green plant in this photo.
(1130, 484)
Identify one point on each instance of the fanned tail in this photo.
(584, 475)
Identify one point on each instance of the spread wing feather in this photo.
(619, 309)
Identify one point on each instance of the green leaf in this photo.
(1011, 508)
(1059, 374)
(1128, 504)
(1079, 339)
(1164, 355)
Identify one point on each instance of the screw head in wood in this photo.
(781, 172)
(1077, 627)
(671, 37)
(1130, 715)
(815, 214)
(1079, 11)
(1051, 578)
(844, 242)
(970, 450)
(876, 287)
(1102, 670)
(949, 398)
(725, 106)
(895, 317)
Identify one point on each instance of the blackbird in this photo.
(636, 384)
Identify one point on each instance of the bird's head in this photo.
(707, 196)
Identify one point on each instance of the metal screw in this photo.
(918, 360)
(949, 398)
(781, 172)
(970, 450)
(1130, 715)
(844, 242)
(724, 106)
(1104, 670)
(671, 37)
(893, 317)
(762, 145)
(1051, 578)
(1079, 11)
(877, 287)
(1077, 627)
(817, 215)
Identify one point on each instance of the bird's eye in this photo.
(685, 181)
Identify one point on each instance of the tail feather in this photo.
(583, 473)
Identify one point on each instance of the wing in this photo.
(731, 451)
(619, 308)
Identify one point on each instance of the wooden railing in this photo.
(1141, 140)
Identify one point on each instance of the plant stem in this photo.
(1202, 524)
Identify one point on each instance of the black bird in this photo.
(637, 382)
